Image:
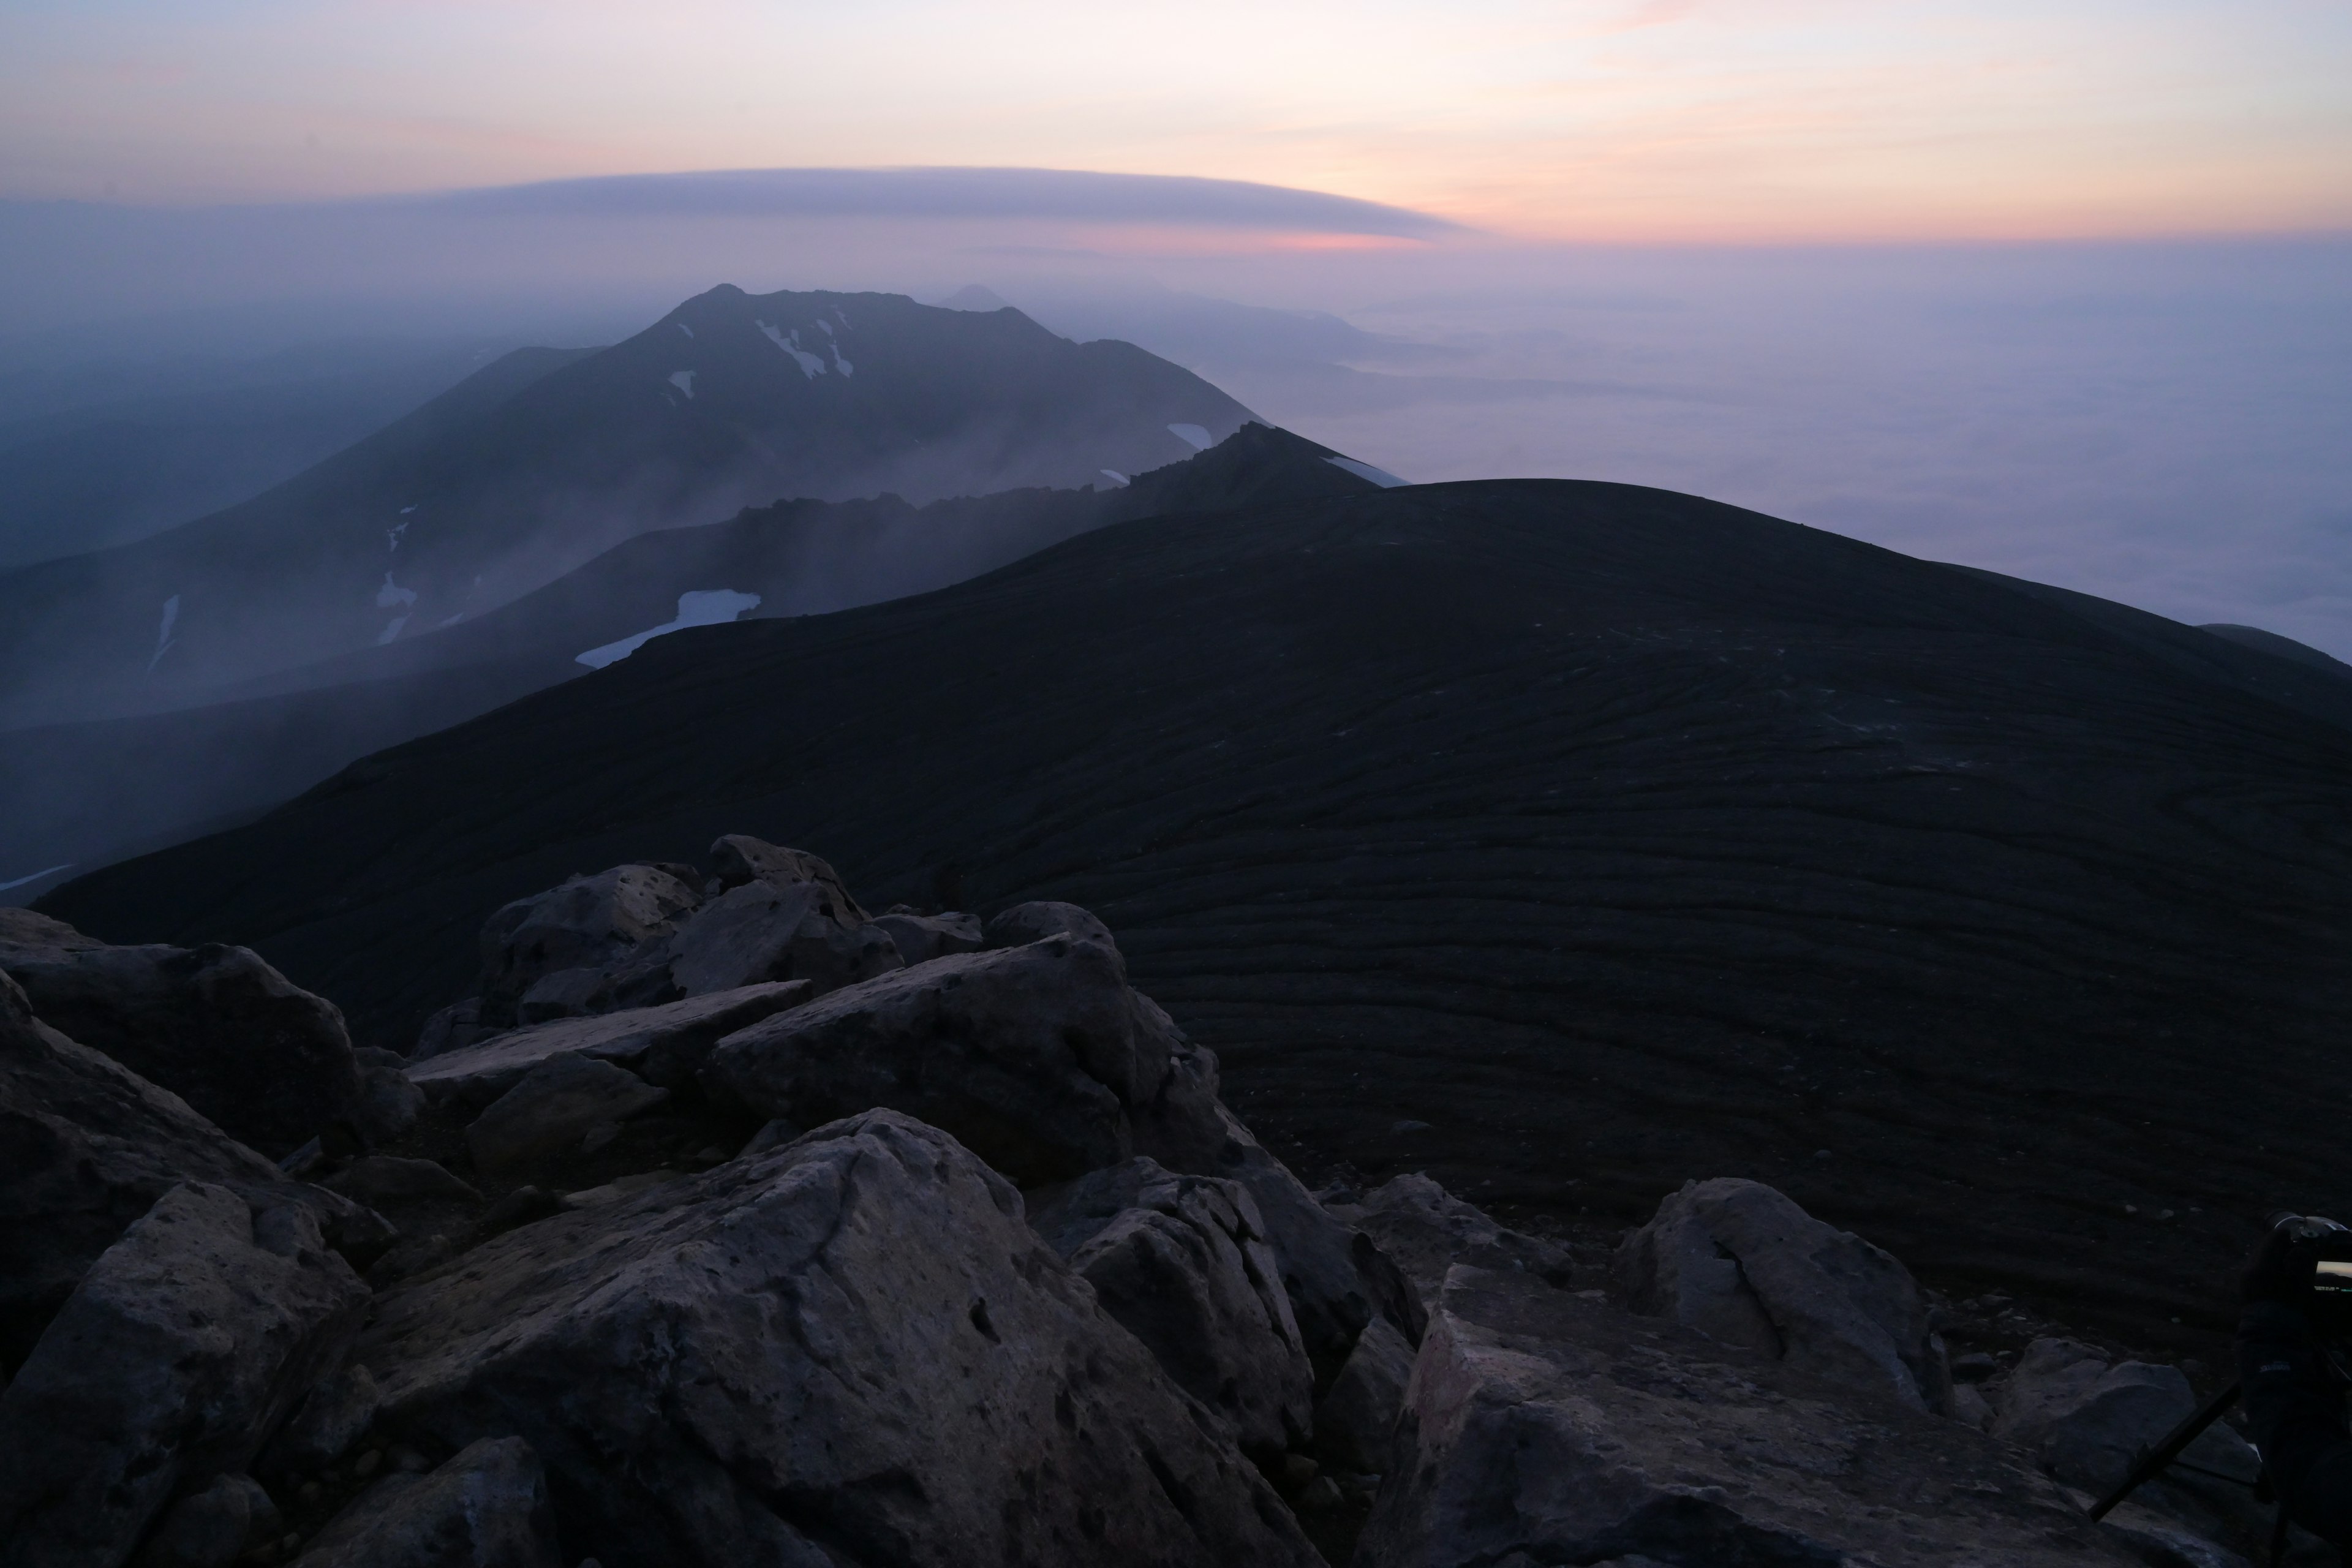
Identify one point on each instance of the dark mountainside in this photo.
(1565, 840)
(80, 796)
(545, 460)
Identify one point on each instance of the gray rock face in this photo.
(389, 1104)
(1356, 1421)
(1546, 1426)
(255, 1054)
(1182, 1262)
(922, 938)
(739, 858)
(759, 933)
(89, 1147)
(555, 1106)
(664, 1045)
(1426, 1230)
(588, 923)
(453, 1028)
(375, 1179)
(485, 1507)
(332, 1417)
(851, 1349)
(1739, 1261)
(175, 1356)
(1032, 1056)
(1025, 924)
(209, 1528)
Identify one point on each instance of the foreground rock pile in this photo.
(727, 1224)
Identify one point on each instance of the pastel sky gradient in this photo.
(1652, 121)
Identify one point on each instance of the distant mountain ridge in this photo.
(546, 459)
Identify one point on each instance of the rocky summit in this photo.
(723, 1221)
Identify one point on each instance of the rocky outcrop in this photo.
(922, 938)
(485, 1506)
(212, 1526)
(258, 1056)
(759, 933)
(177, 1354)
(1740, 1262)
(1427, 1230)
(557, 1105)
(737, 859)
(1182, 1263)
(851, 1348)
(389, 1101)
(1032, 1056)
(1356, 1421)
(587, 924)
(332, 1417)
(90, 1146)
(1544, 1425)
(1025, 924)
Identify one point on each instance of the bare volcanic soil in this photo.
(1565, 840)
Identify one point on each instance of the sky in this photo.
(1552, 121)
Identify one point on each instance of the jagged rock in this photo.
(1031, 1056)
(1741, 1261)
(389, 1103)
(260, 1057)
(556, 1105)
(568, 993)
(759, 933)
(334, 1414)
(90, 1146)
(1426, 1230)
(922, 938)
(2086, 1422)
(387, 1178)
(588, 923)
(853, 1339)
(2161, 1542)
(738, 858)
(1182, 1263)
(664, 1045)
(1355, 1422)
(1545, 1425)
(209, 1528)
(484, 1508)
(1339, 1280)
(174, 1358)
(452, 1028)
(1025, 924)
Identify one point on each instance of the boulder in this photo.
(1025, 924)
(389, 1103)
(2086, 1422)
(485, 1506)
(1426, 1230)
(333, 1415)
(851, 1349)
(1546, 1426)
(922, 938)
(452, 1028)
(256, 1055)
(556, 1105)
(1182, 1262)
(90, 1146)
(588, 923)
(664, 1045)
(209, 1528)
(759, 933)
(1032, 1056)
(1741, 1261)
(1355, 1422)
(738, 858)
(176, 1357)
(375, 1179)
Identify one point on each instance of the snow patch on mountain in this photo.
(683, 380)
(35, 876)
(687, 329)
(708, 607)
(1115, 477)
(393, 593)
(163, 636)
(1195, 436)
(1379, 477)
(392, 630)
(811, 366)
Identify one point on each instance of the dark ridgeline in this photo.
(1617, 835)
(546, 459)
(91, 792)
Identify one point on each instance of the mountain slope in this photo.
(1567, 840)
(75, 796)
(730, 399)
